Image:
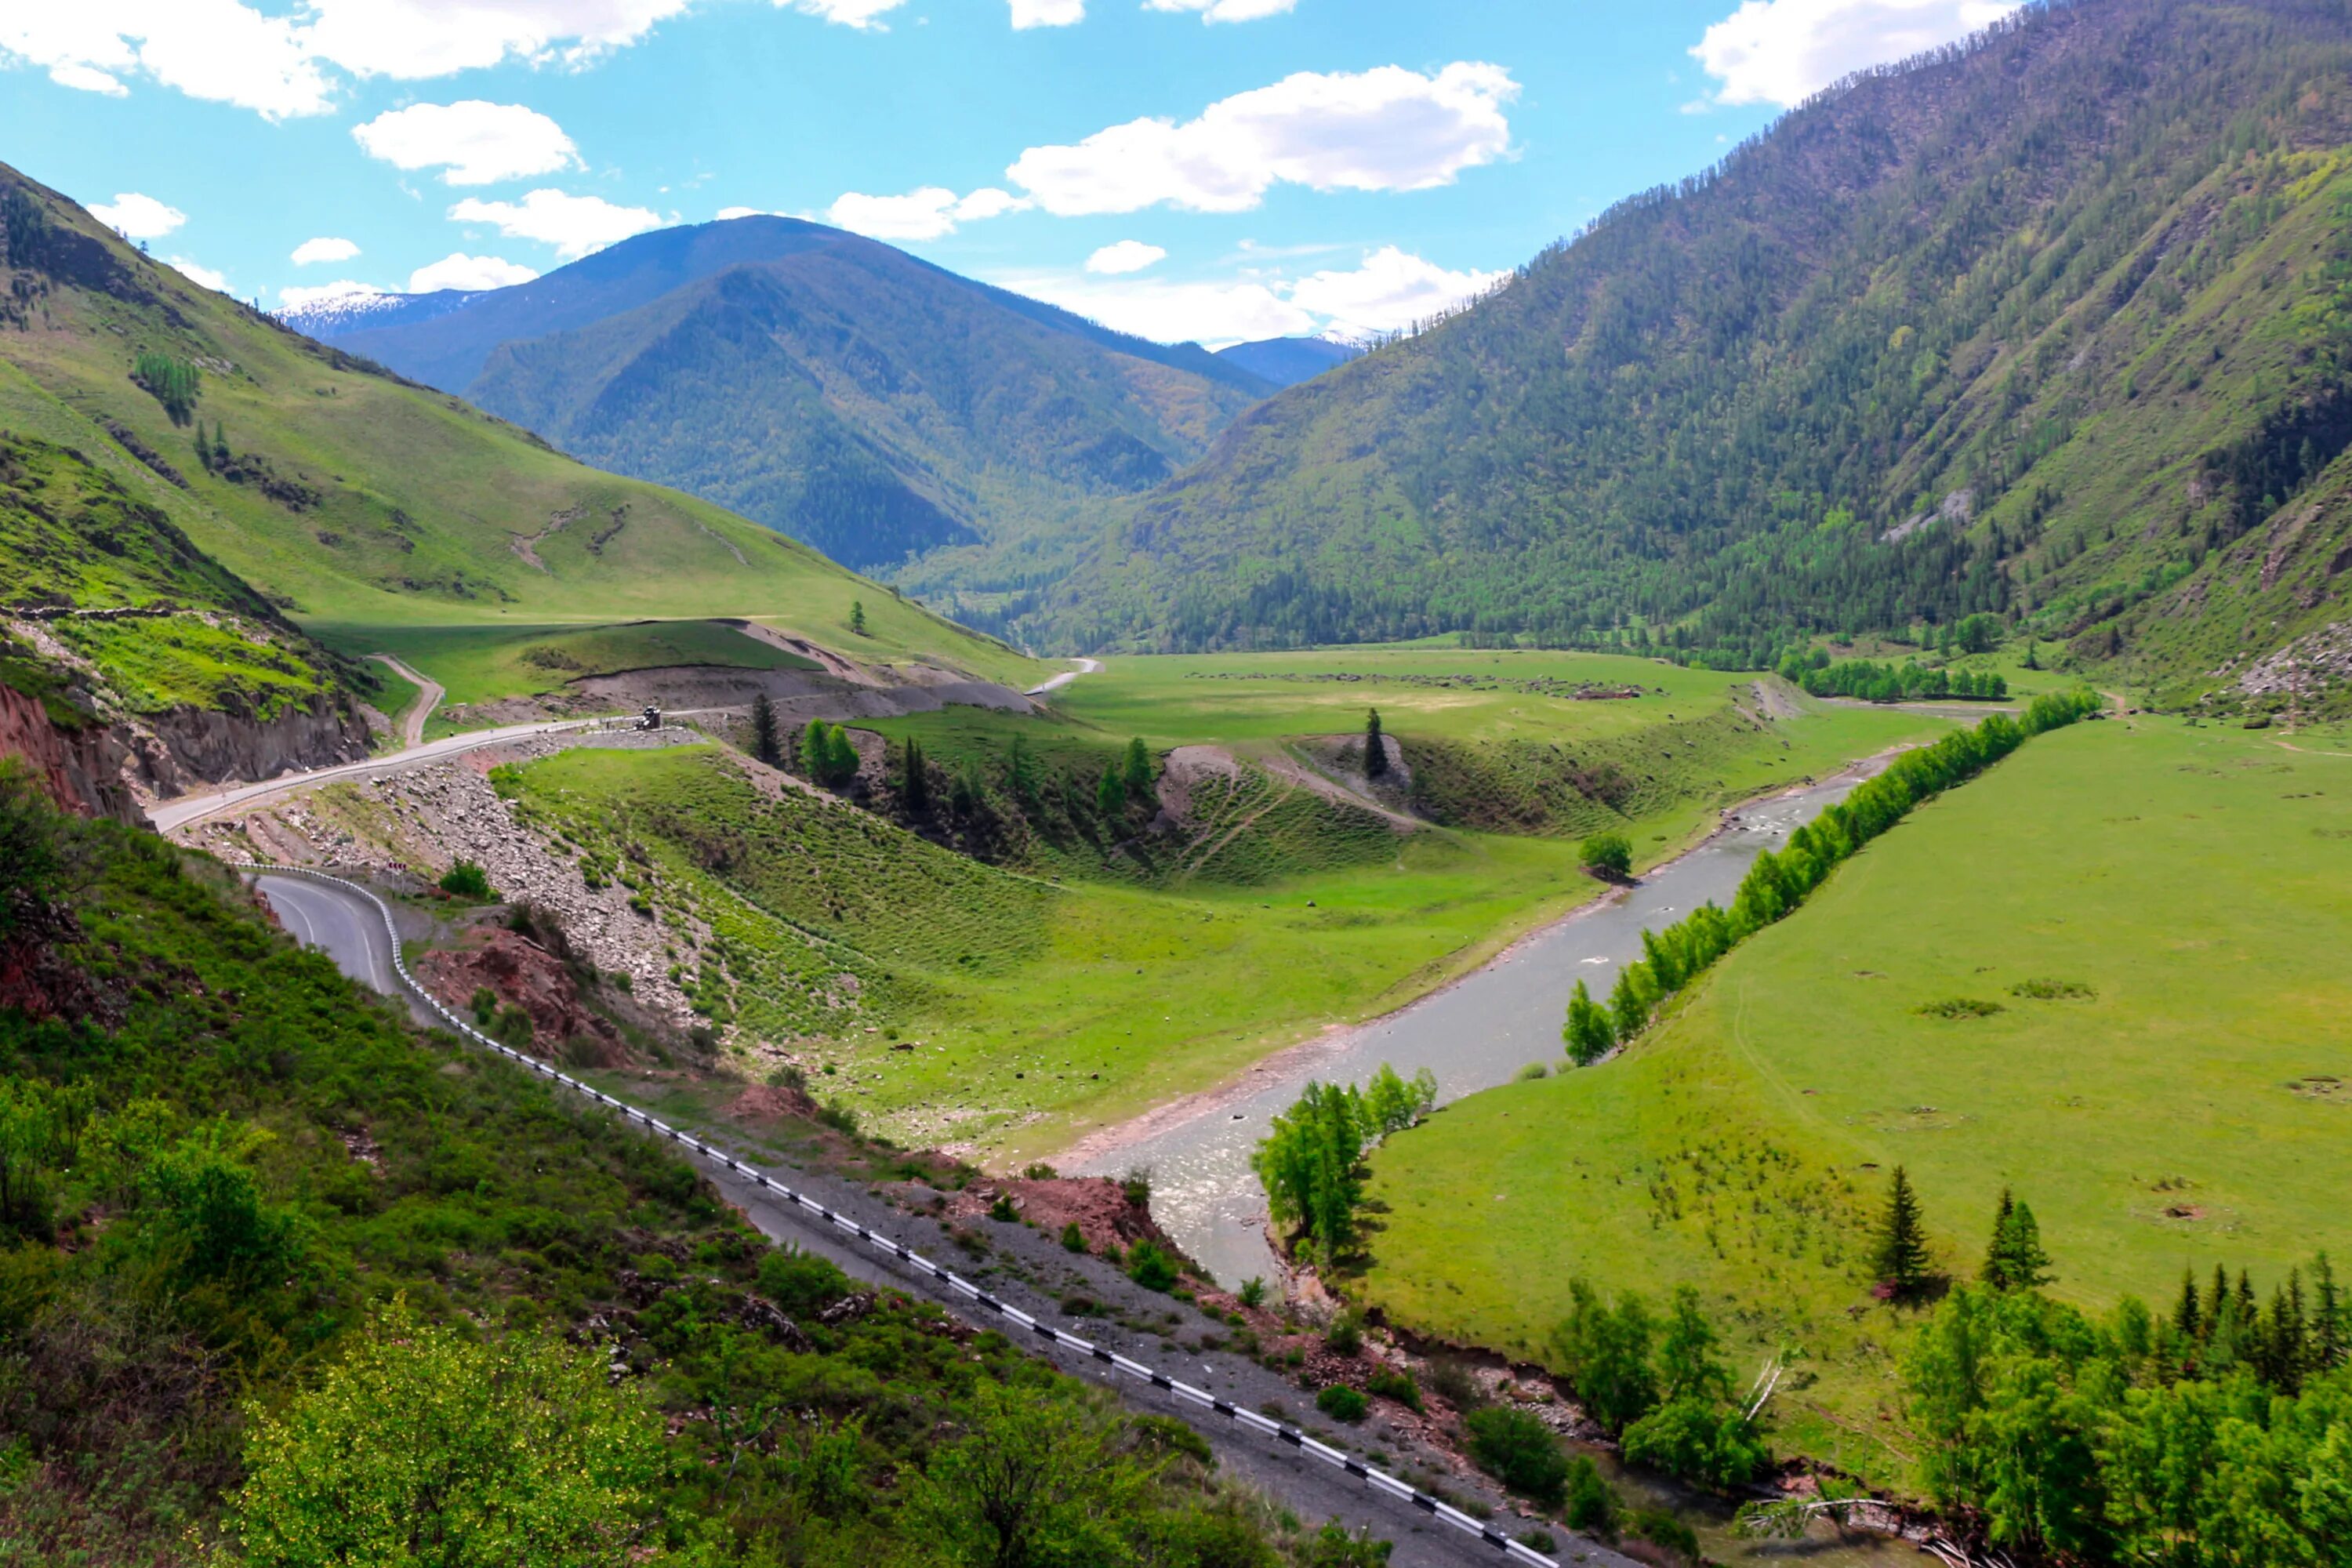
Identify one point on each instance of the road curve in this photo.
(429, 693)
(1310, 1477)
(1085, 667)
(190, 808)
(343, 927)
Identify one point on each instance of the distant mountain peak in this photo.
(1287, 362)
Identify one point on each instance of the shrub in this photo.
(1591, 1501)
(466, 879)
(1252, 1292)
(1073, 1238)
(2052, 990)
(1660, 1528)
(1390, 1382)
(1151, 1267)
(1002, 1210)
(485, 1003)
(801, 1282)
(1531, 1072)
(1345, 1334)
(1341, 1403)
(1958, 1008)
(1607, 855)
(1519, 1450)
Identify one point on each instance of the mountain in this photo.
(1287, 362)
(834, 388)
(2054, 325)
(189, 491)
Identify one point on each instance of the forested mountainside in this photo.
(836, 389)
(182, 479)
(2052, 324)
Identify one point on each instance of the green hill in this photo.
(833, 388)
(2050, 326)
(343, 494)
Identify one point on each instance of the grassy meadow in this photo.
(1011, 1013)
(2156, 917)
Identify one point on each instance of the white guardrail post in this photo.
(1263, 1426)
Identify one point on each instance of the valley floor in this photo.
(2145, 920)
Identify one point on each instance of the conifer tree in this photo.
(2015, 1260)
(765, 745)
(1136, 775)
(2187, 1317)
(1588, 1031)
(1021, 770)
(1900, 1256)
(1111, 793)
(914, 783)
(1376, 746)
(858, 616)
(2329, 1327)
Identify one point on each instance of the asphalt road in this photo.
(1029, 1271)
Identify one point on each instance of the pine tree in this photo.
(1376, 746)
(1901, 1254)
(2015, 1261)
(1021, 770)
(2329, 1328)
(2186, 1317)
(1588, 1031)
(1137, 776)
(858, 616)
(913, 782)
(764, 743)
(1110, 795)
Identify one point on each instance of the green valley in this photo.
(2097, 977)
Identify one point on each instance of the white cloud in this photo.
(313, 251)
(930, 213)
(214, 49)
(1784, 52)
(305, 296)
(1226, 10)
(88, 78)
(574, 224)
(1384, 130)
(216, 282)
(1390, 291)
(471, 142)
(848, 13)
(413, 39)
(1127, 256)
(471, 273)
(279, 65)
(135, 216)
(1029, 14)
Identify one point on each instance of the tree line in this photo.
(173, 382)
(1910, 682)
(1777, 882)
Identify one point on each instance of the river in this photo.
(1473, 1035)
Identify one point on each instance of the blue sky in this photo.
(1209, 169)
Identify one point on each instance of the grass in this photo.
(395, 696)
(185, 661)
(1027, 1014)
(429, 512)
(2158, 912)
(482, 664)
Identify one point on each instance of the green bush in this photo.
(801, 1283)
(1252, 1292)
(1609, 853)
(1341, 1403)
(1073, 1238)
(1151, 1267)
(1519, 1450)
(466, 880)
(1345, 1334)
(1390, 1382)
(1593, 1506)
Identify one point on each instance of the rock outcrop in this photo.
(82, 768)
(189, 747)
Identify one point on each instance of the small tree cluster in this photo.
(1673, 1405)
(914, 776)
(173, 382)
(828, 757)
(1311, 1162)
(1608, 855)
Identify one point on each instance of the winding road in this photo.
(429, 693)
(1233, 1403)
(1085, 667)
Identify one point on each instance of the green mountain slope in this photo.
(345, 495)
(834, 388)
(2047, 326)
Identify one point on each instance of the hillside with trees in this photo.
(2049, 326)
(834, 388)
